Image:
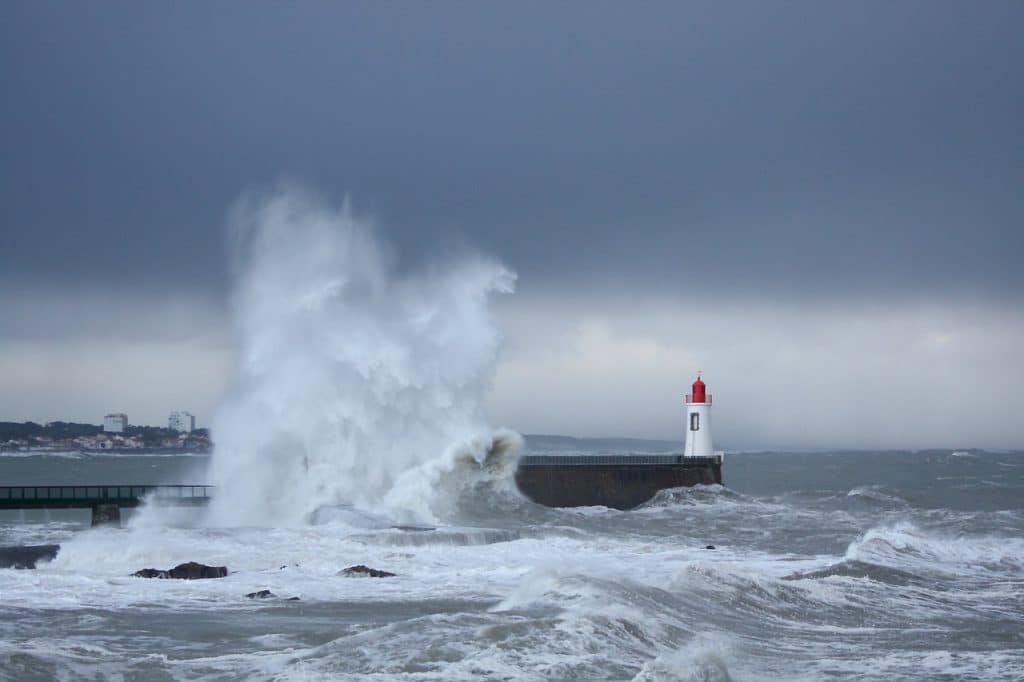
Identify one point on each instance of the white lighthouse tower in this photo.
(698, 422)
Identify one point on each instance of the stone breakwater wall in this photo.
(618, 482)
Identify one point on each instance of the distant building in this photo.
(115, 423)
(182, 422)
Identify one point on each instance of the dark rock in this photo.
(262, 594)
(194, 571)
(188, 571)
(364, 571)
(292, 599)
(149, 573)
(710, 547)
(26, 556)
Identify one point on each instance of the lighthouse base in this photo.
(620, 482)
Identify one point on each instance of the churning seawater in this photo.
(861, 565)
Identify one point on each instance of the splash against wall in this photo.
(356, 385)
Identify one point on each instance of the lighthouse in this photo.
(625, 481)
(698, 421)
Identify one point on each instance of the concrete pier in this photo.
(106, 515)
(620, 482)
(105, 501)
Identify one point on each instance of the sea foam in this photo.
(356, 385)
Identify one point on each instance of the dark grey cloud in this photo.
(778, 148)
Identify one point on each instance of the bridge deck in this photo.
(66, 496)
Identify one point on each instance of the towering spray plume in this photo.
(355, 386)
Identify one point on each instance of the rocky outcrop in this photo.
(188, 571)
(149, 573)
(362, 571)
(267, 594)
(26, 556)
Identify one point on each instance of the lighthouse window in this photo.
(694, 421)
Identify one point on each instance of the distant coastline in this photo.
(89, 439)
(59, 450)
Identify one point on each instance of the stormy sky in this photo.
(818, 204)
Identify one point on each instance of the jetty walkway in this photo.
(105, 501)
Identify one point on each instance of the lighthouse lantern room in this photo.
(698, 422)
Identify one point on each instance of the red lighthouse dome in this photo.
(698, 392)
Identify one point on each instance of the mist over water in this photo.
(356, 385)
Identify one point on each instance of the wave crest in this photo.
(903, 545)
(356, 385)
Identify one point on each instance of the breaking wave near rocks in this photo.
(356, 384)
(784, 578)
(366, 524)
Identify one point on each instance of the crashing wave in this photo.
(356, 385)
(873, 494)
(903, 545)
(852, 568)
(692, 496)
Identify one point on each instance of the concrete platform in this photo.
(617, 481)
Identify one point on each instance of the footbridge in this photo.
(105, 501)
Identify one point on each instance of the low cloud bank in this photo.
(838, 374)
(841, 373)
(77, 355)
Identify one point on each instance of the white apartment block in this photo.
(115, 422)
(182, 422)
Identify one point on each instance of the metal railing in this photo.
(101, 494)
(707, 399)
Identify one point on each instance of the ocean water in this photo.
(827, 565)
